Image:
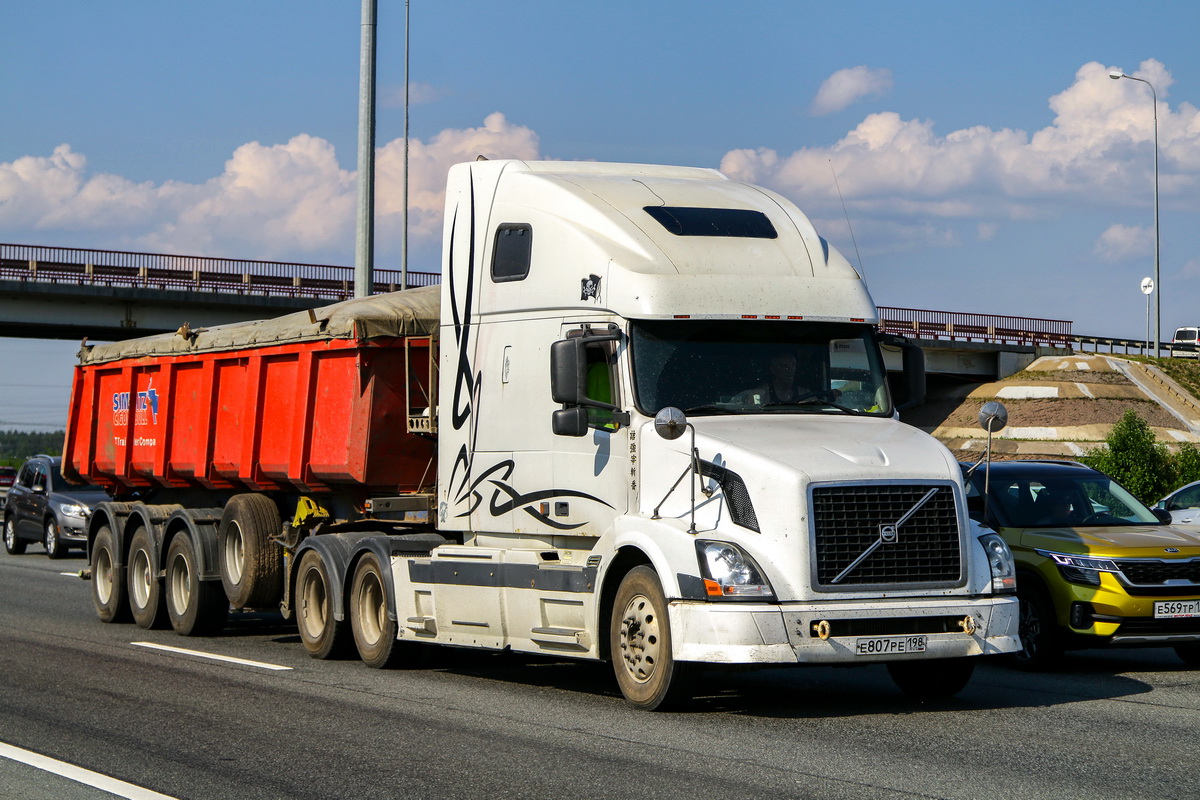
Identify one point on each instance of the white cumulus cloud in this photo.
(848, 86)
(290, 201)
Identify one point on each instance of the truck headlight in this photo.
(729, 573)
(74, 510)
(1000, 559)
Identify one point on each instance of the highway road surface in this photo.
(92, 710)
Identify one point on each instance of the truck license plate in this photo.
(889, 645)
(1174, 609)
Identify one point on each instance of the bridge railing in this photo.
(956, 326)
(191, 273)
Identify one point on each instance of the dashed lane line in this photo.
(79, 774)
(212, 656)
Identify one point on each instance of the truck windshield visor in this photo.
(758, 367)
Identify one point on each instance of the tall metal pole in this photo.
(404, 234)
(1117, 75)
(364, 240)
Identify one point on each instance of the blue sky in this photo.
(987, 162)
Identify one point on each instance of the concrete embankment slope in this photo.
(1062, 406)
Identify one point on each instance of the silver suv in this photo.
(42, 507)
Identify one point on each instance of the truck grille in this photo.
(848, 520)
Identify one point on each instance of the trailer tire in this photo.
(251, 563)
(640, 639)
(195, 607)
(146, 601)
(108, 590)
(937, 679)
(374, 630)
(12, 544)
(323, 636)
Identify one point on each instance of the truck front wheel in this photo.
(108, 590)
(374, 630)
(640, 640)
(322, 635)
(196, 607)
(145, 592)
(251, 563)
(932, 680)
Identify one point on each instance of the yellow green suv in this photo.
(1095, 567)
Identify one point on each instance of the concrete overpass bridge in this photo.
(70, 293)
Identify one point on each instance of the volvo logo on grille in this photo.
(888, 533)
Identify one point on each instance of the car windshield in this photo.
(1089, 499)
(59, 484)
(754, 366)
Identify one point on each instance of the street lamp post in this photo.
(1116, 75)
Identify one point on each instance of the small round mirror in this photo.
(670, 423)
(993, 416)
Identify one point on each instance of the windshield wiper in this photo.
(814, 401)
(709, 409)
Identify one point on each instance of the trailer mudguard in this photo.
(201, 525)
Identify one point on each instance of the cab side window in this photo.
(601, 383)
(512, 250)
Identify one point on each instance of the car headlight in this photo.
(74, 510)
(729, 573)
(1000, 559)
(1080, 569)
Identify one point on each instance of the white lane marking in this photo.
(80, 775)
(213, 656)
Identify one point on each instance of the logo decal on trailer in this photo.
(145, 407)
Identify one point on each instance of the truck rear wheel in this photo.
(640, 641)
(108, 589)
(937, 679)
(374, 630)
(251, 563)
(195, 607)
(322, 635)
(145, 591)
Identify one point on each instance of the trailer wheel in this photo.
(196, 607)
(932, 680)
(640, 638)
(322, 635)
(108, 590)
(145, 591)
(12, 544)
(374, 630)
(251, 563)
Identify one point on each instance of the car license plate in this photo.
(1174, 609)
(889, 645)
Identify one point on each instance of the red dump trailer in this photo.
(304, 403)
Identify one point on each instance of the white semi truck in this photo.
(660, 434)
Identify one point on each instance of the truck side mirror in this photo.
(571, 421)
(567, 376)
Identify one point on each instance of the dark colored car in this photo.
(42, 507)
(1095, 567)
(7, 476)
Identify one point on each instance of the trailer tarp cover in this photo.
(413, 312)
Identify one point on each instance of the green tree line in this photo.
(16, 446)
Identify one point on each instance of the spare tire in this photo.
(251, 563)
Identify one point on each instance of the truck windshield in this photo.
(752, 366)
